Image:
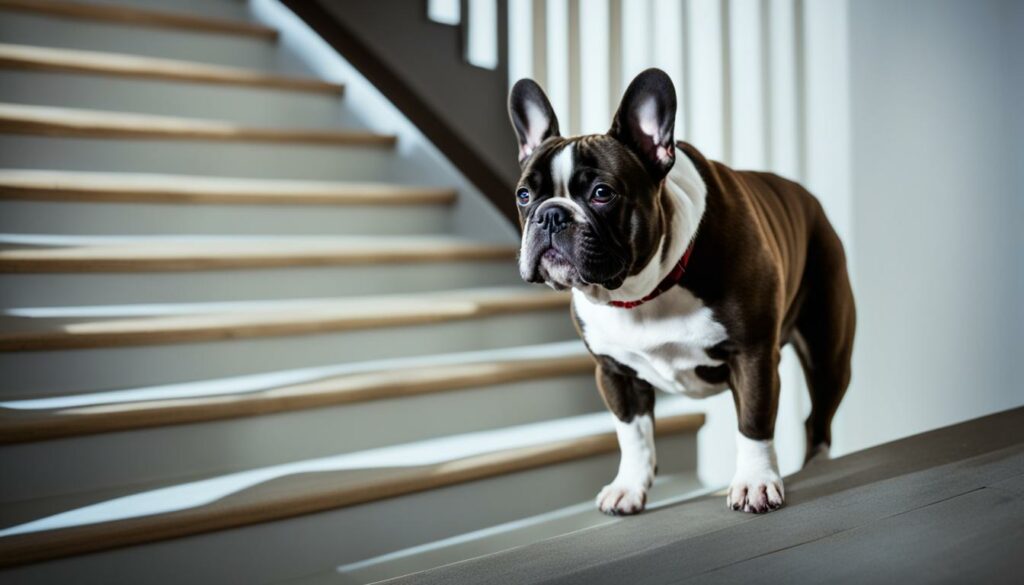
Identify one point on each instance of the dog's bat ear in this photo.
(532, 116)
(646, 119)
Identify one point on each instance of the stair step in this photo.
(121, 65)
(253, 284)
(52, 121)
(154, 188)
(36, 254)
(83, 203)
(145, 345)
(315, 486)
(82, 414)
(666, 491)
(60, 328)
(139, 17)
(273, 418)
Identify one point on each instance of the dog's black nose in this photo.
(554, 219)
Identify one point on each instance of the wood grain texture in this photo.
(177, 189)
(20, 426)
(311, 493)
(26, 57)
(294, 318)
(191, 255)
(145, 17)
(887, 514)
(53, 121)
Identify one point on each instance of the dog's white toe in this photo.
(757, 495)
(757, 485)
(621, 499)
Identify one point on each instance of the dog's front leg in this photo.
(631, 400)
(756, 486)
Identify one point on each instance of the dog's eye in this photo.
(523, 196)
(602, 194)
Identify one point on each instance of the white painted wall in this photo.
(936, 141)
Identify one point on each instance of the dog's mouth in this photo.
(556, 270)
(576, 259)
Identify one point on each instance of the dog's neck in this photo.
(683, 195)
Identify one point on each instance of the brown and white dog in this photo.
(686, 276)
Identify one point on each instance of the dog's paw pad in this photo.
(756, 495)
(621, 500)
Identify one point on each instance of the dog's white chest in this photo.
(663, 340)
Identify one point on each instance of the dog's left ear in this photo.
(532, 116)
(646, 119)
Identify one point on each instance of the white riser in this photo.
(222, 49)
(41, 290)
(249, 105)
(68, 218)
(30, 374)
(78, 464)
(227, 9)
(197, 157)
(287, 549)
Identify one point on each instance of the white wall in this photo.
(937, 184)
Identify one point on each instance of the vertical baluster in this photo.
(668, 24)
(520, 40)
(540, 42)
(614, 54)
(707, 66)
(444, 11)
(636, 38)
(783, 88)
(482, 33)
(575, 90)
(747, 84)
(595, 66)
(558, 59)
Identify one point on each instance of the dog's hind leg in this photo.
(824, 333)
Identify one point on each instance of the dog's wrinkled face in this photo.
(590, 206)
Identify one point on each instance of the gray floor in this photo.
(941, 507)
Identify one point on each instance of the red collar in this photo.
(671, 280)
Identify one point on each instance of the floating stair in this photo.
(50, 121)
(306, 487)
(138, 17)
(27, 57)
(71, 254)
(76, 328)
(140, 188)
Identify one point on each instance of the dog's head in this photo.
(590, 206)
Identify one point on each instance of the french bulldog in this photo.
(686, 276)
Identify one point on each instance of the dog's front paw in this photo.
(758, 493)
(618, 499)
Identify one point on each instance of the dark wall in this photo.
(419, 65)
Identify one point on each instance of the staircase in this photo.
(239, 344)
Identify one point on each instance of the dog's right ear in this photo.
(532, 116)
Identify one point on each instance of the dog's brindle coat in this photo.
(766, 269)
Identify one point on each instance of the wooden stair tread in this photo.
(133, 16)
(199, 253)
(24, 425)
(274, 318)
(122, 65)
(155, 188)
(54, 121)
(266, 496)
